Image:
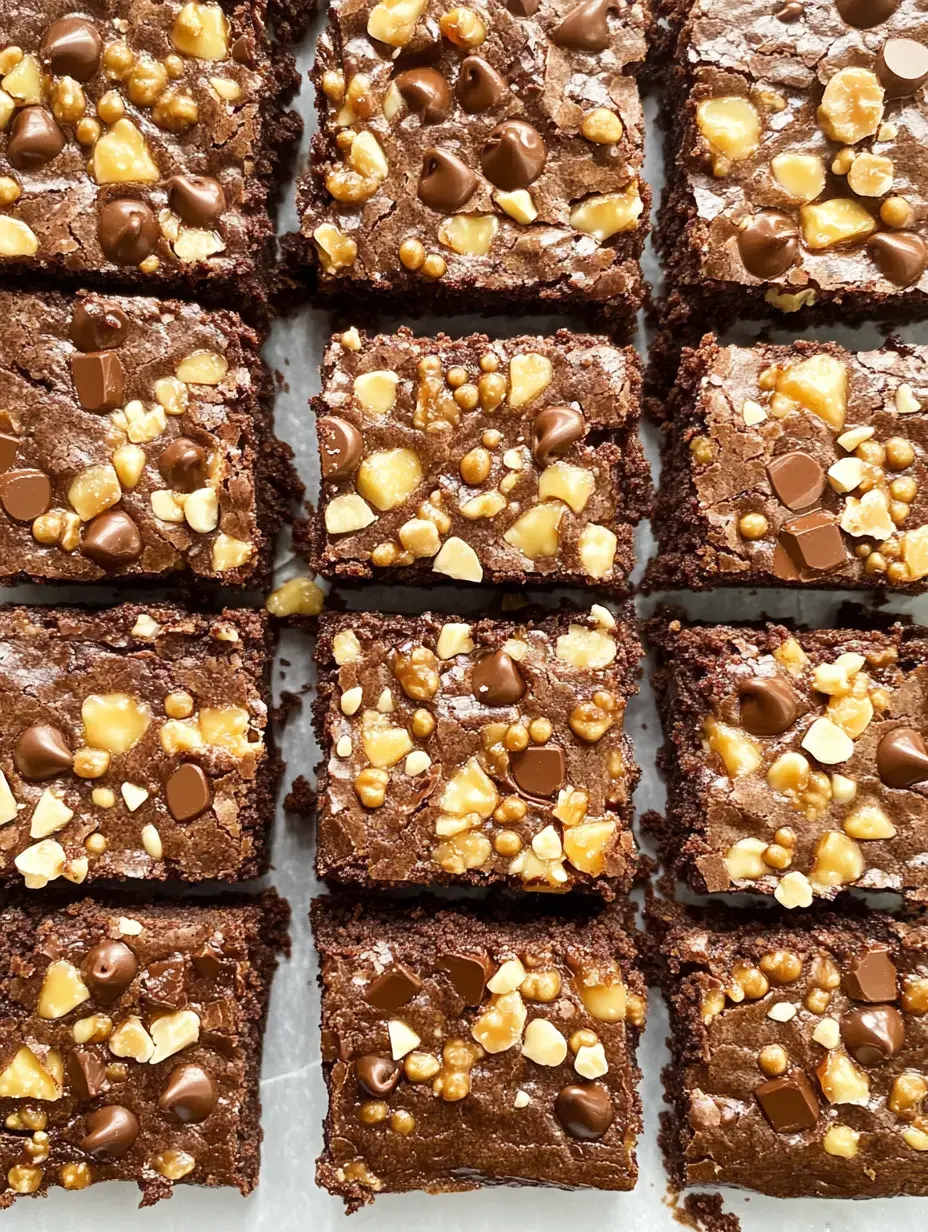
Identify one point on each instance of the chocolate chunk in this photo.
(395, 988)
(873, 1036)
(208, 960)
(769, 244)
(539, 770)
(377, 1076)
(71, 47)
(554, 431)
(426, 93)
(495, 680)
(164, 983)
(902, 66)
(902, 758)
(871, 977)
(768, 705)
(900, 256)
(865, 14)
(35, 139)
(108, 970)
(523, 8)
(98, 326)
(445, 183)
(9, 447)
(585, 1110)
(112, 539)
(514, 155)
(87, 1071)
(189, 1095)
(128, 231)
(99, 379)
(788, 1103)
(41, 753)
(25, 495)
(111, 1132)
(797, 479)
(187, 792)
(814, 542)
(198, 199)
(479, 86)
(183, 465)
(790, 12)
(468, 973)
(586, 26)
(340, 447)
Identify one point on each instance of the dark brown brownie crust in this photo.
(392, 687)
(822, 804)
(168, 690)
(723, 975)
(463, 1113)
(474, 418)
(190, 980)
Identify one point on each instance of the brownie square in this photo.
(134, 743)
(513, 460)
(463, 1048)
(132, 1043)
(799, 184)
(476, 753)
(482, 155)
(798, 465)
(796, 1049)
(795, 759)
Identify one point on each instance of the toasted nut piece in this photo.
(542, 986)
(393, 21)
(518, 204)
(121, 156)
(370, 787)
(838, 860)
(201, 30)
(367, 158)
(458, 559)
(820, 385)
(94, 490)
(583, 647)
(602, 991)
(383, 743)
(114, 721)
(462, 852)
(337, 251)
(852, 106)
(789, 773)
(454, 639)
(376, 392)
(841, 1081)
(469, 234)
(172, 1033)
(841, 1140)
(827, 743)
(916, 1138)
(229, 553)
(544, 1044)
(530, 374)
(868, 821)
(130, 1039)
(601, 126)
(50, 814)
(388, 477)
(535, 533)
(793, 891)
(739, 753)
(347, 513)
(470, 791)
(62, 990)
(463, 27)
(908, 1091)
(16, 239)
(731, 125)
(23, 80)
(500, 1026)
(744, 859)
(837, 221)
(585, 846)
(800, 175)
(300, 596)
(852, 714)
(871, 175)
(608, 215)
(419, 537)
(572, 484)
(597, 547)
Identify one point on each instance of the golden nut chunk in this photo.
(601, 126)
(469, 234)
(173, 1164)
(121, 156)
(463, 27)
(731, 125)
(838, 860)
(337, 251)
(114, 721)
(535, 533)
(838, 221)
(62, 990)
(130, 1039)
(585, 846)
(375, 392)
(347, 513)
(458, 560)
(388, 477)
(371, 787)
(602, 991)
(841, 1140)
(500, 1026)
(800, 175)
(793, 890)
(16, 239)
(384, 744)
(608, 215)
(462, 852)
(739, 753)
(871, 175)
(852, 106)
(585, 648)
(841, 1080)
(518, 204)
(202, 31)
(300, 596)
(393, 21)
(23, 81)
(573, 485)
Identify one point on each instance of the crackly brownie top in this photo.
(127, 439)
(128, 1046)
(492, 749)
(130, 741)
(806, 1046)
(511, 1044)
(807, 161)
(478, 459)
(490, 144)
(809, 464)
(128, 128)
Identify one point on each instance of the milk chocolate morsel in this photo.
(523, 8)
(340, 447)
(98, 326)
(788, 1103)
(112, 539)
(814, 542)
(41, 753)
(189, 1095)
(902, 66)
(25, 495)
(87, 1071)
(426, 93)
(111, 1132)
(128, 231)
(108, 970)
(902, 758)
(768, 244)
(768, 705)
(900, 256)
(514, 155)
(35, 139)
(865, 14)
(797, 478)
(585, 1110)
(586, 27)
(198, 199)
(9, 447)
(445, 183)
(183, 465)
(538, 770)
(554, 431)
(468, 973)
(377, 1076)
(496, 680)
(99, 379)
(71, 47)
(187, 792)
(791, 12)
(479, 86)
(394, 989)
(873, 1036)
(871, 977)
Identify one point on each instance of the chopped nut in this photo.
(841, 1081)
(337, 251)
(121, 156)
(731, 125)
(114, 721)
(739, 753)
(841, 1140)
(793, 891)
(376, 392)
(744, 859)
(839, 220)
(827, 743)
(601, 126)
(300, 596)
(838, 860)
(543, 1043)
(94, 490)
(501, 1024)
(463, 27)
(384, 745)
(871, 175)
(820, 385)
(50, 814)
(800, 175)
(172, 1033)
(535, 533)
(201, 30)
(454, 639)
(469, 234)
(827, 1033)
(62, 990)
(41, 863)
(585, 648)
(868, 516)
(518, 204)
(130, 1039)
(585, 846)
(347, 513)
(458, 560)
(605, 216)
(852, 106)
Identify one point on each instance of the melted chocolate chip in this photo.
(189, 1095)
(790, 12)
(585, 1110)
(183, 465)
(769, 244)
(340, 447)
(514, 155)
(871, 977)
(554, 431)
(586, 26)
(187, 792)
(71, 47)
(394, 989)
(445, 183)
(128, 231)
(797, 478)
(902, 758)
(111, 1132)
(788, 1103)
(35, 139)
(479, 86)
(108, 970)
(523, 8)
(98, 326)
(99, 379)
(468, 973)
(198, 199)
(9, 447)
(872, 1036)
(112, 539)
(902, 66)
(426, 93)
(376, 1076)
(865, 14)
(768, 705)
(87, 1071)
(495, 680)
(25, 495)
(814, 542)
(538, 770)
(41, 753)
(900, 256)
(164, 983)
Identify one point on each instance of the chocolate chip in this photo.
(377, 1076)
(445, 183)
(791, 12)
(190, 1094)
(479, 86)
(99, 379)
(187, 792)
(395, 988)
(98, 326)
(111, 1132)
(871, 977)
(902, 66)
(788, 1103)
(769, 244)
(873, 1036)
(164, 983)
(426, 93)
(468, 973)
(814, 542)
(523, 8)
(514, 155)
(9, 447)
(538, 770)
(35, 139)
(183, 465)
(108, 970)
(198, 199)
(585, 1110)
(782, 565)
(128, 231)
(41, 753)
(554, 431)
(586, 28)
(865, 14)
(71, 47)
(25, 495)
(496, 680)
(900, 256)
(112, 539)
(340, 447)
(87, 1071)
(768, 705)
(208, 960)
(902, 758)
(797, 479)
